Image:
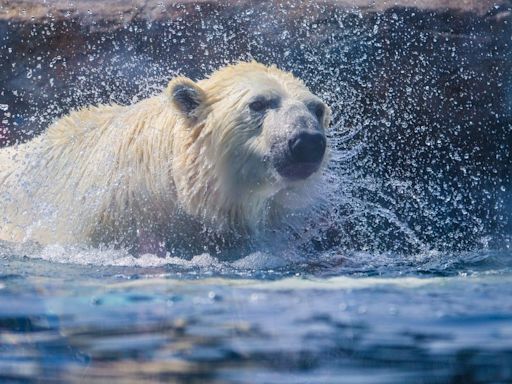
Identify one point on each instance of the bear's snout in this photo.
(304, 155)
(307, 147)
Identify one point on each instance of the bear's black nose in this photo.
(307, 147)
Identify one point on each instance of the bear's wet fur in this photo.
(202, 163)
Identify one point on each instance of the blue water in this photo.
(355, 318)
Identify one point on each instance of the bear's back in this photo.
(88, 121)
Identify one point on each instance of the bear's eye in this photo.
(259, 105)
(318, 110)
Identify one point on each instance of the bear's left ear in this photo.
(186, 96)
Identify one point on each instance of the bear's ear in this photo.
(186, 96)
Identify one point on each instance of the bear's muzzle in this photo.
(304, 155)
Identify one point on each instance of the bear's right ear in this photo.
(186, 96)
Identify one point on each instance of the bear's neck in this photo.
(203, 194)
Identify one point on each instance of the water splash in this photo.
(408, 175)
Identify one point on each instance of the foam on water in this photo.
(325, 265)
(110, 257)
(114, 257)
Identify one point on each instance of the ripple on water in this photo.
(204, 320)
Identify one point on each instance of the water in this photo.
(363, 318)
(406, 277)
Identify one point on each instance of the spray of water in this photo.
(410, 174)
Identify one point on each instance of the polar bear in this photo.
(221, 158)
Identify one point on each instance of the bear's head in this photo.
(250, 145)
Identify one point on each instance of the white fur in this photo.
(104, 174)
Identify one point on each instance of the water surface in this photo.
(437, 318)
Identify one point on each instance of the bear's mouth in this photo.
(298, 171)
